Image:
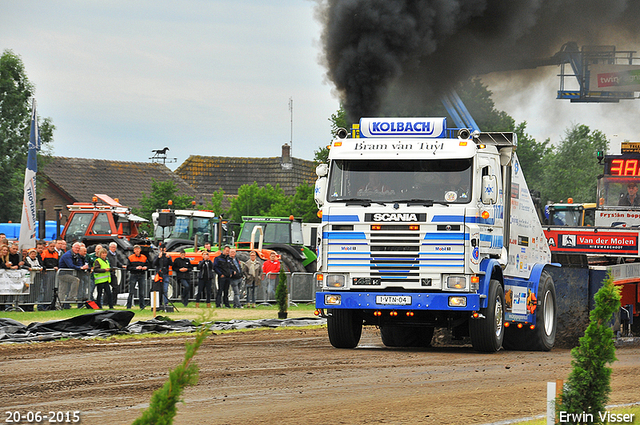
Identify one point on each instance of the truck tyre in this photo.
(543, 336)
(345, 328)
(291, 264)
(487, 333)
(406, 336)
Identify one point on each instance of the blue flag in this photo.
(28, 220)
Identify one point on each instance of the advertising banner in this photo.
(592, 242)
(614, 78)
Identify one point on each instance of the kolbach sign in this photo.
(593, 243)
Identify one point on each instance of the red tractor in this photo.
(96, 222)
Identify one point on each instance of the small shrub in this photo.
(589, 383)
(282, 297)
(162, 408)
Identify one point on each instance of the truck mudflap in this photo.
(436, 301)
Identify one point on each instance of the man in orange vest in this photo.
(137, 265)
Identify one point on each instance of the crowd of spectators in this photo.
(79, 273)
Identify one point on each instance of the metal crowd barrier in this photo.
(75, 287)
(301, 287)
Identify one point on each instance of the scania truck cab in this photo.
(426, 227)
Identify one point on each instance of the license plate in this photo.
(393, 299)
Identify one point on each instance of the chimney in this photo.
(285, 161)
(286, 153)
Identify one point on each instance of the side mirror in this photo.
(322, 170)
(489, 190)
(320, 191)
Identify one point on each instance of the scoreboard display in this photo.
(625, 165)
(622, 167)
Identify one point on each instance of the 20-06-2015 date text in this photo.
(52, 417)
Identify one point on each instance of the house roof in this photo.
(209, 173)
(81, 178)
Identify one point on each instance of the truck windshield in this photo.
(274, 232)
(619, 192)
(201, 227)
(443, 181)
(566, 217)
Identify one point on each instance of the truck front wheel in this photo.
(487, 333)
(345, 328)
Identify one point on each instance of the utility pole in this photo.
(291, 140)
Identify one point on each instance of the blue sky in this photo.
(122, 78)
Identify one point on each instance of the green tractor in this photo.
(283, 235)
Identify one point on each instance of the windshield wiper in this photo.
(358, 201)
(423, 202)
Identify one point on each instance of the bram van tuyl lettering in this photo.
(363, 146)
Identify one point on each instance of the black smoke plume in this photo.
(391, 54)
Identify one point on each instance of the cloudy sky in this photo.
(202, 77)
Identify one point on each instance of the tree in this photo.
(262, 201)
(215, 204)
(531, 155)
(589, 383)
(338, 120)
(161, 193)
(272, 202)
(477, 98)
(571, 169)
(16, 92)
(304, 205)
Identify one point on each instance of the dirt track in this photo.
(291, 376)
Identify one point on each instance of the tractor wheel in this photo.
(345, 328)
(290, 264)
(242, 256)
(122, 255)
(406, 336)
(177, 248)
(487, 333)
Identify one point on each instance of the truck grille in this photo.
(397, 255)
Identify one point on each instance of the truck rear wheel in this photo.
(406, 336)
(543, 336)
(345, 328)
(487, 333)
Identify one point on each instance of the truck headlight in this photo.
(457, 301)
(332, 299)
(335, 281)
(456, 282)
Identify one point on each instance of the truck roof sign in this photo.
(405, 127)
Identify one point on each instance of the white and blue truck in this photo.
(426, 227)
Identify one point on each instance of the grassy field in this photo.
(190, 312)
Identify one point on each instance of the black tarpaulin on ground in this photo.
(99, 320)
(107, 323)
(97, 324)
(266, 323)
(161, 325)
